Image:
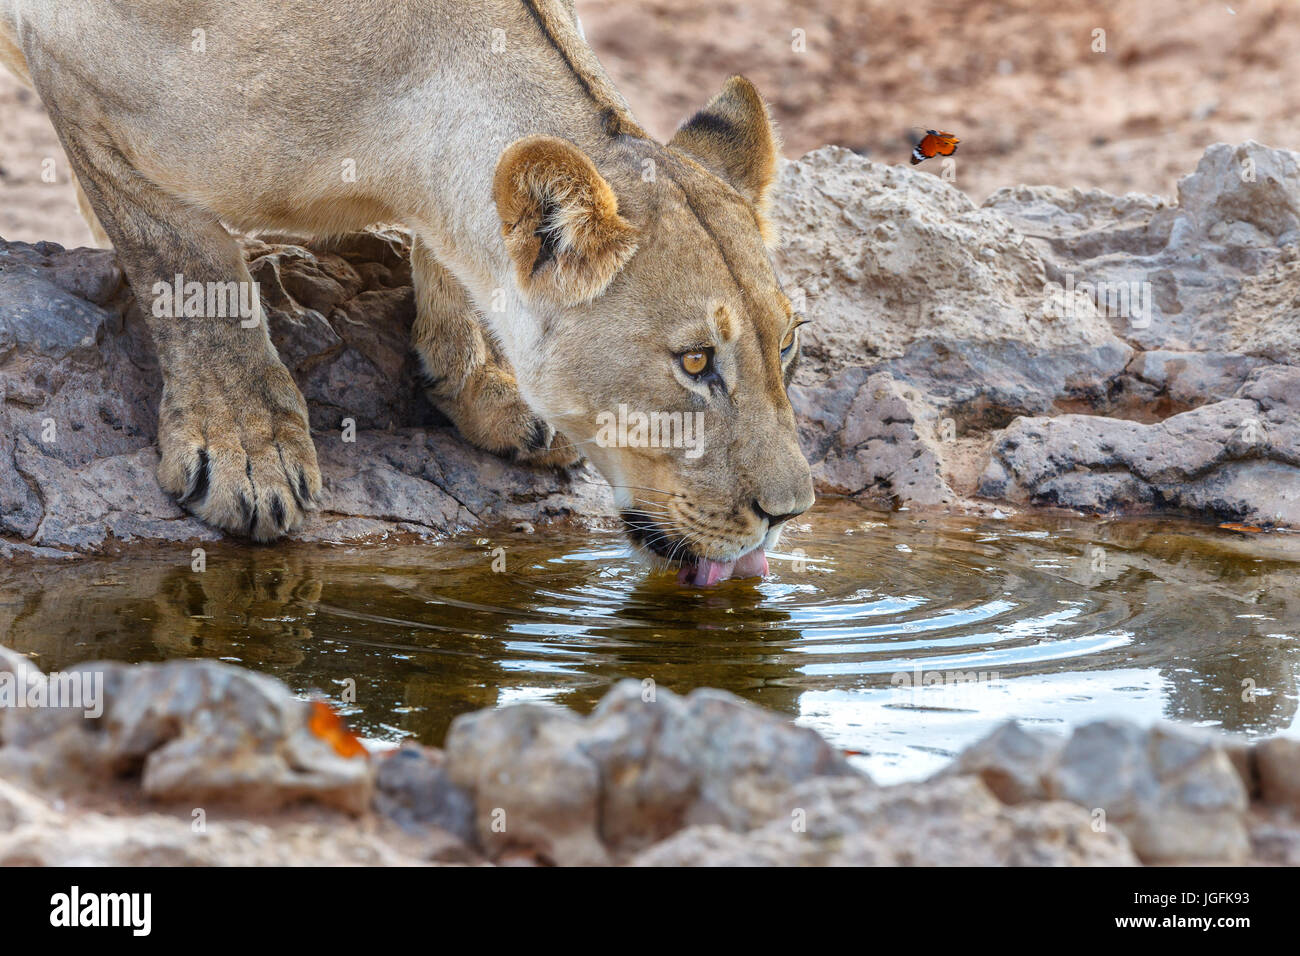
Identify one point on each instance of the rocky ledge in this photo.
(197, 762)
(1052, 348)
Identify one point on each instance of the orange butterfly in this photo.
(329, 727)
(934, 143)
(1247, 528)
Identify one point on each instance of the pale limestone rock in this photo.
(1171, 790)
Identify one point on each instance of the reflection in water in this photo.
(861, 630)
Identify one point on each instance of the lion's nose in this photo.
(786, 489)
(775, 520)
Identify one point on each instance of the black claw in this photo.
(196, 488)
(248, 513)
(539, 436)
(302, 492)
(277, 511)
(297, 487)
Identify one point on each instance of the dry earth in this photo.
(1017, 80)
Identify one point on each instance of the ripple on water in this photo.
(900, 638)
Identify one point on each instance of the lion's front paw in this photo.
(490, 413)
(549, 448)
(244, 465)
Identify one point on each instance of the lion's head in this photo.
(664, 341)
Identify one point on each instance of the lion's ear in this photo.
(560, 220)
(734, 138)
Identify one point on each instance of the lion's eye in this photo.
(698, 363)
(787, 343)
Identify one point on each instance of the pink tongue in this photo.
(709, 572)
(752, 565)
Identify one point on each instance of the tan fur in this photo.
(489, 128)
(467, 379)
(87, 213)
(546, 187)
(733, 136)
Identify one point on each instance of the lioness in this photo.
(612, 270)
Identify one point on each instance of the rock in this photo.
(889, 256)
(413, 789)
(1244, 758)
(950, 822)
(534, 790)
(865, 437)
(901, 272)
(1012, 762)
(194, 731)
(80, 388)
(1171, 790)
(1213, 265)
(19, 808)
(17, 674)
(1265, 317)
(156, 839)
(717, 846)
(1180, 381)
(1275, 842)
(955, 352)
(708, 757)
(588, 791)
(1234, 460)
(1177, 794)
(1277, 763)
(648, 777)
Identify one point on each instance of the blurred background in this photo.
(1018, 81)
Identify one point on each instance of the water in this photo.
(1052, 621)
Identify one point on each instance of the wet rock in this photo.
(950, 822)
(193, 731)
(1171, 790)
(584, 791)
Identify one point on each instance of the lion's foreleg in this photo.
(233, 432)
(465, 380)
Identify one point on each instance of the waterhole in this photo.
(900, 638)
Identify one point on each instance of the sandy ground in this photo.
(1017, 80)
